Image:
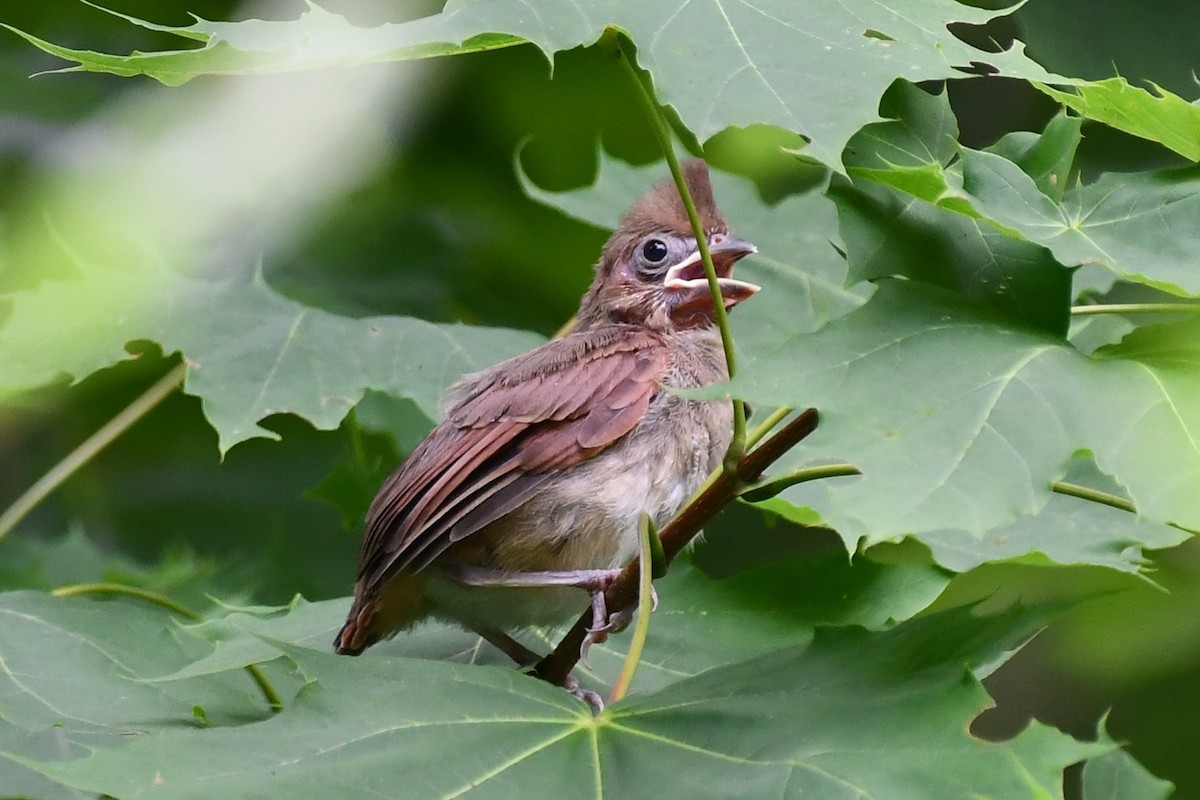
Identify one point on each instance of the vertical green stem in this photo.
(64, 469)
(737, 445)
(641, 627)
(356, 440)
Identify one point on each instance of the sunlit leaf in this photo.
(978, 419)
(1159, 116)
(719, 65)
(250, 352)
(1117, 776)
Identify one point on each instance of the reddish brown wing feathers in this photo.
(506, 431)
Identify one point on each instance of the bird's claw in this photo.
(605, 622)
(593, 699)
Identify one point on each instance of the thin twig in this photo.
(64, 469)
(677, 534)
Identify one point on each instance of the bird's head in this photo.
(650, 271)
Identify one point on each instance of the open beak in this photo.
(688, 287)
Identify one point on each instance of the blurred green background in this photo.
(440, 229)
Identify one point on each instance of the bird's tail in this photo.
(353, 638)
(379, 613)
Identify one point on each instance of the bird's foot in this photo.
(605, 622)
(593, 699)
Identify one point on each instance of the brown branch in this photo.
(557, 666)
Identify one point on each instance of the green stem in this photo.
(162, 601)
(1094, 495)
(356, 441)
(752, 438)
(64, 469)
(737, 444)
(154, 598)
(766, 426)
(565, 328)
(1136, 308)
(641, 628)
(768, 489)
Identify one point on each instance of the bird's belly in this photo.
(503, 608)
(587, 518)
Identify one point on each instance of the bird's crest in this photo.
(661, 208)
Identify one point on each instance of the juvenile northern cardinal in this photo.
(533, 486)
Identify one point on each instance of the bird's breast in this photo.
(586, 517)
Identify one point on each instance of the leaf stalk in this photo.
(616, 44)
(1094, 495)
(641, 628)
(274, 701)
(81, 455)
(768, 489)
(1136, 308)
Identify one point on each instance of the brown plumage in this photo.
(545, 462)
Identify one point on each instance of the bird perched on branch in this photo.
(533, 486)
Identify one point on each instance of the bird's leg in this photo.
(509, 646)
(527, 658)
(593, 581)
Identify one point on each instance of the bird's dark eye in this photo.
(654, 251)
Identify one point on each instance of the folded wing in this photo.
(507, 431)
